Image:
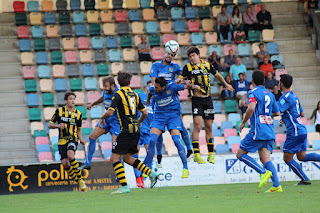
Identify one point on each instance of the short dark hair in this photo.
(240, 74)
(109, 79)
(193, 50)
(286, 80)
(223, 6)
(124, 78)
(261, 44)
(258, 77)
(162, 81)
(66, 96)
(149, 82)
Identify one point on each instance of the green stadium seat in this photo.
(83, 111)
(230, 106)
(39, 44)
(55, 147)
(102, 69)
(56, 57)
(204, 12)
(64, 18)
(21, 18)
(154, 40)
(126, 41)
(94, 29)
(39, 133)
(237, 126)
(75, 84)
(47, 99)
(30, 85)
(34, 114)
(87, 131)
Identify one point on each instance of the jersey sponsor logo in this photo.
(196, 72)
(166, 76)
(114, 145)
(164, 102)
(107, 103)
(72, 121)
(233, 166)
(208, 111)
(265, 119)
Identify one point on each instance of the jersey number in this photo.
(267, 99)
(132, 105)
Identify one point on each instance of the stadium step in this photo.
(293, 45)
(12, 98)
(305, 71)
(14, 112)
(10, 70)
(287, 19)
(16, 141)
(19, 160)
(14, 126)
(11, 84)
(7, 18)
(7, 153)
(290, 31)
(295, 59)
(284, 7)
(7, 43)
(7, 30)
(9, 56)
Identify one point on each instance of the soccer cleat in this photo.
(263, 178)
(154, 178)
(275, 189)
(211, 159)
(122, 190)
(198, 159)
(142, 182)
(82, 185)
(138, 181)
(304, 182)
(189, 153)
(185, 173)
(84, 166)
(144, 175)
(159, 165)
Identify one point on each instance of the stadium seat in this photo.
(235, 147)
(244, 49)
(35, 18)
(234, 118)
(267, 35)
(52, 31)
(79, 98)
(207, 25)
(81, 30)
(37, 31)
(146, 78)
(39, 132)
(316, 144)
(58, 71)
(21, 19)
(103, 4)
(129, 54)
(89, 4)
(249, 62)
(278, 58)
(233, 140)
(313, 136)
(56, 57)
(85, 56)
(190, 13)
(64, 18)
(162, 14)
(126, 41)
(273, 48)
(310, 128)
(75, 84)
(216, 48)
(46, 85)
(71, 57)
(61, 5)
(45, 156)
(214, 92)
(179, 26)
(279, 72)
(222, 149)
(204, 12)
(90, 83)
(48, 112)
(92, 16)
(145, 3)
(96, 112)
(120, 15)
(194, 25)
(78, 17)
(148, 14)
(60, 84)
(94, 29)
(280, 138)
(211, 38)
(197, 38)
(23, 32)
(123, 28)
(230, 106)
(176, 13)
(54, 44)
(28, 72)
(100, 56)
(166, 27)
(66, 30)
(39, 44)
(42, 58)
(73, 70)
(26, 58)
(102, 69)
(167, 37)
(32, 100)
(154, 40)
(106, 16)
(216, 9)
(203, 53)
(117, 4)
(226, 125)
(92, 96)
(219, 118)
(229, 132)
(83, 43)
(47, 99)
(217, 105)
(34, 114)
(114, 55)
(134, 15)
(227, 47)
(137, 28)
(97, 42)
(151, 27)
(253, 35)
(83, 111)
(87, 70)
(183, 51)
(44, 71)
(33, 6)
(135, 81)
(157, 53)
(18, 6)
(145, 67)
(50, 18)
(25, 45)
(255, 48)
(115, 68)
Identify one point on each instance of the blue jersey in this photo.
(147, 122)
(168, 100)
(169, 71)
(291, 109)
(107, 99)
(261, 121)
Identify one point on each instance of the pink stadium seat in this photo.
(85, 124)
(227, 47)
(219, 140)
(235, 147)
(218, 118)
(135, 81)
(279, 72)
(194, 25)
(58, 71)
(280, 138)
(229, 132)
(80, 154)
(157, 53)
(28, 72)
(45, 156)
(305, 121)
(187, 120)
(71, 57)
(83, 43)
(23, 31)
(18, 6)
(92, 96)
(106, 145)
(41, 140)
(184, 95)
(167, 37)
(203, 149)
(120, 15)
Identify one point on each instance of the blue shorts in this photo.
(170, 120)
(112, 127)
(250, 145)
(295, 144)
(144, 138)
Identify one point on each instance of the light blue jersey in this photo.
(291, 109)
(168, 72)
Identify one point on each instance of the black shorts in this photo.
(126, 143)
(203, 107)
(63, 149)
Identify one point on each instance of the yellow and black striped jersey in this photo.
(72, 122)
(127, 103)
(199, 75)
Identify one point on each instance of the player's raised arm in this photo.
(142, 109)
(96, 102)
(220, 78)
(115, 101)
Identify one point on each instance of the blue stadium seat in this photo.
(310, 128)
(244, 49)
(81, 30)
(273, 48)
(233, 140)
(214, 126)
(190, 13)
(43, 148)
(25, 45)
(146, 78)
(277, 58)
(217, 133)
(87, 70)
(276, 123)
(50, 18)
(176, 13)
(316, 144)
(97, 42)
(234, 117)
(33, 100)
(90, 83)
(242, 2)
(33, 6)
(107, 153)
(112, 42)
(37, 31)
(197, 38)
(145, 3)
(152, 27)
(216, 48)
(44, 71)
(42, 58)
(75, 4)
(222, 149)
(180, 26)
(96, 112)
(114, 55)
(134, 15)
(55, 139)
(230, 9)
(226, 125)
(249, 76)
(217, 105)
(105, 137)
(57, 156)
(78, 17)
(256, 1)
(60, 84)
(214, 90)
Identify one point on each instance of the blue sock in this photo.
(186, 137)
(159, 145)
(311, 157)
(252, 163)
(137, 173)
(269, 166)
(151, 150)
(91, 149)
(181, 150)
(297, 169)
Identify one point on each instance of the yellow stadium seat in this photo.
(129, 54)
(35, 18)
(92, 16)
(183, 38)
(207, 25)
(215, 10)
(137, 27)
(116, 67)
(46, 85)
(109, 28)
(268, 35)
(26, 58)
(145, 67)
(36, 126)
(103, 4)
(48, 113)
(255, 48)
(106, 16)
(132, 4)
(148, 14)
(68, 43)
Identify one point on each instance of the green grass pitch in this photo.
(208, 198)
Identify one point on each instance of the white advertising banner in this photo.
(227, 169)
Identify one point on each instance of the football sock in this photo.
(141, 167)
(186, 137)
(311, 157)
(151, 150)
(195, 145)
(181, 150)
(252, 163)
(71, 173)
(137, 173)
(269, 166)
(297, 169)
(91, 149)
(210, 146)
(159, 145)
(74, 164)
(119, 170)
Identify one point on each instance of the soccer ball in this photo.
(172, 47)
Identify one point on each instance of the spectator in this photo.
(236, 19)
(241, 86)
(226, 94)
(214, 60)
(270, 82)
(316, 115)
(311, 5)
(250, 20)
(277, 93)
(159, 4)
(262, 53)
(237, 68)
(224, 27)
(144, 50)
(243, 103)
(180, 3)
(266, 66)
(229, 60)
(264, 18)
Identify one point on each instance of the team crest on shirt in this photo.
(282, 101)
(205, 71)
(170, 69)
(168, 92)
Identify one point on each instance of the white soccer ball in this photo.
(172, 47)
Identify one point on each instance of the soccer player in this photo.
(127, 103)
(69, 121)
(111, 125)
(167, 114)
(198, 71)
(296, 141)
(169, 70)
(262, 104)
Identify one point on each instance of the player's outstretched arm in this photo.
(220, 78)
(56, 126)
(98, 101)
(179, 80)
(248, 115)
(79, 132)
(144, 114)
(148, 99)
